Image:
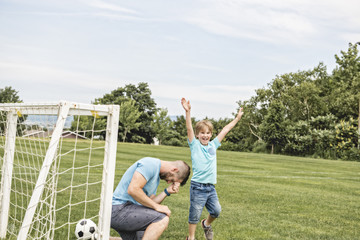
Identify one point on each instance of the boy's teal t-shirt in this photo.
(150, 169)
(204, 161)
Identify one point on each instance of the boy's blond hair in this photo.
(202, 124)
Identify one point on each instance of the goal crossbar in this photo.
(52, 108)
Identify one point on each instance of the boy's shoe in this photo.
(187, 238)
(209, 234)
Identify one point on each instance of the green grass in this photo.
(262, 196)
(28, 161)
(266, 196)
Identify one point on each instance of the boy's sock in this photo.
(205, 225)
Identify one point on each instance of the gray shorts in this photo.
(131, 220)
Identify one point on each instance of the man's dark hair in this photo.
(184, 171)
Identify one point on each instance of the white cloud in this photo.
(93, 55)
(42, 75)
(275, 21)
(217, 94)
(117, 16)
(205, 67)
(109, 6)
(351, 37)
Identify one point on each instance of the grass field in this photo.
(262, 196)
(266, 196)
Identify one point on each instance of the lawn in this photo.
(266, 196)
(262, 196)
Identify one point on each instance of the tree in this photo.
(141, 94)
(162, 124)
(299, 92)
(273, 128)
(81, 124)
(346, 81)
(129, 114)
(254, 112)
(346, 138)
(9, 95)
(179, 127)
(299, 141)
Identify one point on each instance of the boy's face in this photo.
(204, 136)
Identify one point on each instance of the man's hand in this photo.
(173, 188)
(186, 104)
(163, 209)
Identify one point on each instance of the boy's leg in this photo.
(198, 198)
(212, 205)
(209, 220)
(192, 229)
(214, 208)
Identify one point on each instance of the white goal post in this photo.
(57, 167)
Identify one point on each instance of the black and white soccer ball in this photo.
(86, 229)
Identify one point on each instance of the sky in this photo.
(212, 52)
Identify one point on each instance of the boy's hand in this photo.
(189, 129)
(240, 113)
(186, 104)
(230, 125)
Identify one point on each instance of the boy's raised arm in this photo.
(228, 127)
(187, 107)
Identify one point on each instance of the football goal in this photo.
(57, 167)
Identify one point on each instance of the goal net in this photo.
(57, 167)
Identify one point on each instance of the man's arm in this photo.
(232, 124)
(187, 107)
(135, 190)
(173, 188)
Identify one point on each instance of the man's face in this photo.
(169, 177)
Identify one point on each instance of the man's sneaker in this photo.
(209, 234)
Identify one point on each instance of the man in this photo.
(137, 212)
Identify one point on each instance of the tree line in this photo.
(306, 113)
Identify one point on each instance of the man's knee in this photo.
(165, 222)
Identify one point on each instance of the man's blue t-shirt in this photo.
(150, 169)
(204, 161)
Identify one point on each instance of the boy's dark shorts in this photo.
(131, 220)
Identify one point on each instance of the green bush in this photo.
(353, 154)
(260, 147)
(346, 140)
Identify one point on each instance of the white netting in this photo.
(73, 187)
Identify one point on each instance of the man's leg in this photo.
(139, 235)
(154, 230)
(129, 219)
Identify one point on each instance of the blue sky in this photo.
(213, 52)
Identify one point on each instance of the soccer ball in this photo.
(86, 229)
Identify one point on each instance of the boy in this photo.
(203, 157)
